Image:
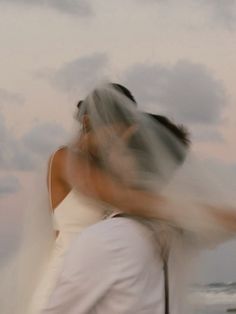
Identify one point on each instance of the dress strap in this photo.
(50, 175)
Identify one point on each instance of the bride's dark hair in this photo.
(118, 114)
(120, 88)
(179, 131)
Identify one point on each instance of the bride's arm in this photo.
(58, 187)
(94, 182)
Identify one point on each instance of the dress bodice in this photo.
(70, 218)
(76, 212)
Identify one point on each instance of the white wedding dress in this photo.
(70, 218)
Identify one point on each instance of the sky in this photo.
(177, 57)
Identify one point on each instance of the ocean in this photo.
(215, 298)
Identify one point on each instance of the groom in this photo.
(114, 266)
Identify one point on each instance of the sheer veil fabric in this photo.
(137, 153)
(21, 271)
(140, 153)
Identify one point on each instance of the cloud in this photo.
(29, 151)
(13, 156)
(73, 7)
(153, 1)
(220, 12)
(219, 264)
(42, 139)
(185, 91)
(81, 73)
(9, 98)
(225, 173)
(9, 184)
(223, 12)
(209, 134)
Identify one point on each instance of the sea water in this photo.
(215, 298)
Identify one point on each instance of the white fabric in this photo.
(77, 212)
(72, 215)
(113, 267)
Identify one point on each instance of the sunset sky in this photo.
(176, 56)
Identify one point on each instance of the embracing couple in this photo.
(123, 224)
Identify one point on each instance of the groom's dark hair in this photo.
(179, 131)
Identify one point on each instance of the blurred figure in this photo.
(71, 210)
(133, 164)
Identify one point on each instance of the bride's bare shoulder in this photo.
(58, 185)
(57, 162)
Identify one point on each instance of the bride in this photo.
(125, 161)
(71, 211)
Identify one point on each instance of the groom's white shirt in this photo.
(113, 267)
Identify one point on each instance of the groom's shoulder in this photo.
(116, 226)
(114, 249)
(118, 232)
(119, 245)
